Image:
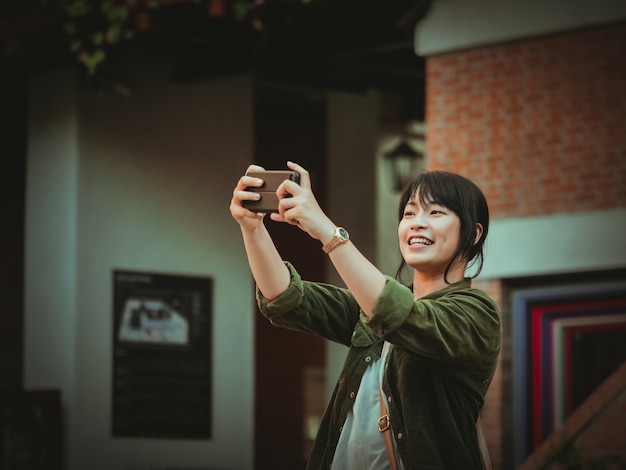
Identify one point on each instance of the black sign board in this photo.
(162, 381)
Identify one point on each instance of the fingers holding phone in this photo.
(267, 194)
(244, 192)
(284, 194)
(298, 206)
(277, 185)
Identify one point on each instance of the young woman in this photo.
(424, 355)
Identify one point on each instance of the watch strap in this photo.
(339, 238)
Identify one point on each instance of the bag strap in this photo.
(482, 445)
(385, 428)
(384, 425)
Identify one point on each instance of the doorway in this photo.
(289, 125)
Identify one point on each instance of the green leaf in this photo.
(77, 9)
(92, 61)
(241, 9)
(117, 14)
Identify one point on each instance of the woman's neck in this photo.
(427, 283)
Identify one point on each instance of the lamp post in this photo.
(403, 159)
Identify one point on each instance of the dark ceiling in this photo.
(346, 45)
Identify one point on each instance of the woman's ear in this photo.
(479, 233)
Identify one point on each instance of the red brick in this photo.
(538, 100)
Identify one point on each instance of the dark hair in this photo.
(461, 196)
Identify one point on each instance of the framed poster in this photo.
(162, 355)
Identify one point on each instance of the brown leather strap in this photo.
(482, 445)
(385, 428)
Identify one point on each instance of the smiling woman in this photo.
(439, 198)
(433, 346)
(429, 237)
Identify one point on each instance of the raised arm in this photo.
(299, 207)
(269, 272)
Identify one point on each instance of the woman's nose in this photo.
(419, 221)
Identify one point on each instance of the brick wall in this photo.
(540, 125)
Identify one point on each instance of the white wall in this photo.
(460, 24)
(139, 183)
(352, 186)
(575, 242)
(50, 238)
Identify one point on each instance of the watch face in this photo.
(343, 234)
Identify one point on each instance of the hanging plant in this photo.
(93, 27)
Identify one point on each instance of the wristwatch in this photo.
(341, 236)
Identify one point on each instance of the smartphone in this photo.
(272, 179)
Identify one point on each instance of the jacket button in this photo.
(399, 435)
(389, 399)
(368, 359)
(352, 394)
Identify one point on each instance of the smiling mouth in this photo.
(420, 241)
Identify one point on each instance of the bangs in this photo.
(432, 188)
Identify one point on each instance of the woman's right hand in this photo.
(247, 219)
(270, 273)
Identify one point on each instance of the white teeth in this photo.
(420, 240)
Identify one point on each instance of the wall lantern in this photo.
(403, 159)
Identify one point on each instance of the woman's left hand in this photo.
(298, 206)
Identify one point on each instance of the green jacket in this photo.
(445, 351)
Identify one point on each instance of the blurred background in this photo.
(124, 128)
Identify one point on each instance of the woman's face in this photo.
(428, 236)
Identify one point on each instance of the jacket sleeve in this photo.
(457, 326)
(321, 309)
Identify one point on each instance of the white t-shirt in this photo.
(361, 445)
